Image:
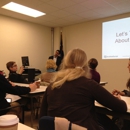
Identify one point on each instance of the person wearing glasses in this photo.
(15, 76)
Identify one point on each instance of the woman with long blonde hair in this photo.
(72, 94)
(74, 65)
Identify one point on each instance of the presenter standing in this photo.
(57, 57)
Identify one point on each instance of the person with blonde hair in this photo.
(50, 68)
(72, 94)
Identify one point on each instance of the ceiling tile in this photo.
(61, 13)
(78, 1)
(114, 1)
(91, 4)
(61, 3)
(73, 18)
(88, 14)
(75, 9)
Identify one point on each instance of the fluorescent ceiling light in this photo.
(23, 9)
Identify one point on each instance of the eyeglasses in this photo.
(14, 66)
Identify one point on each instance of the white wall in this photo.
(88, 36)
(57, 36)
(20, 38)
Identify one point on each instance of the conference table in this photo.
(37, 93)
(104, 110)
(103, 83)
(24, 127)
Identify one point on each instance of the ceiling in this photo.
(60, 13)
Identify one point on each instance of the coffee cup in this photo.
(38, 83)
(9, 122)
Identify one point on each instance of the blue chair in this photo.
(46, 123)
(57, 123)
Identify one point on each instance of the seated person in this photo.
(126, 123)
(50, 68)
(124, 92)
(13, 75)
(72, 94)
(9, 87)
(92, 63)
(18, 78)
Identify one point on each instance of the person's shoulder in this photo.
(1, 75)
(43, 74)
(97, 73)
(50, 57)
(13, 74)
(83, 79)
(49, 88)
(88, 81)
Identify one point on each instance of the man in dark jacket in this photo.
(57, 57)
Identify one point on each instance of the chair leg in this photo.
(38, 107)
(22, 114)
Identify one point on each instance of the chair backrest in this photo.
(5, 110)
(31, 75)
(57, 123)
(46, 123)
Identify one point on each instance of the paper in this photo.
(13, 97)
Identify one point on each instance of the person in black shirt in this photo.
(9, 87)
(13, 75)
(57, 57)
(18, 78)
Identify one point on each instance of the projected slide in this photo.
(116, 39)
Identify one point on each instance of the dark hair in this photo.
(128, 83)
(58, 51)
(92, 63)
(9, 64)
